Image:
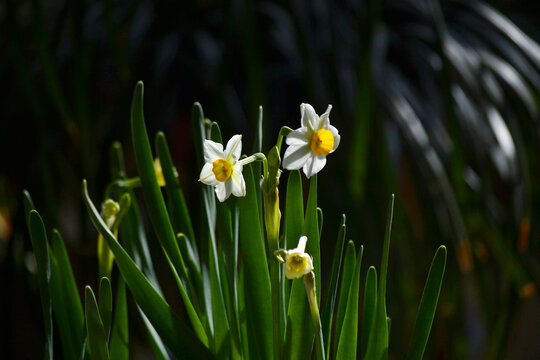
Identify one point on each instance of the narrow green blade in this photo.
(368, 314)
(133, 239)
(177, 335)
(311, 230)
(67, 306)
(348, 340)
(62, 318)
(155, 204)
(97, 339)
(297, 343)
(257, 279)
(119, 344)
(105, 303)
(428, 305)
(378, 340)
(38, 236)
(331, 293)
(349, 265)
(179, 212)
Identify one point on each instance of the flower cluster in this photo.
(308, 147)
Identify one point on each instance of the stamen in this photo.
(222, 169)
(322, 142)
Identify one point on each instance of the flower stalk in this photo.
(309, 282)
(272, 219)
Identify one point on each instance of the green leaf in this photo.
(311, 230)
(299, 330)
(368, 314)
(180, 215)
(257, 144)
(197, 125)
(294, 221)
(181, 220)
(163, 318)
(348, 272)
(119, 347)
(428, 305)
(320, 219)
(219, 315)
(349, 331)
(97, 339)
(156, 209)
(331, 293)
(67, 306)
(378, 339)
(28, 206)
(105, 304)
(157, 345)
(257, 279)
(133, 238)
(38, 236)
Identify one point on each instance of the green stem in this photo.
(309, 282)
(284, 131)
(276, 306)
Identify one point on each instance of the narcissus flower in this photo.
(297, 262)
(309, 144)
(223, 169)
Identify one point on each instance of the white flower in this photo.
(223, 168)
(297, 262)
(309, 145)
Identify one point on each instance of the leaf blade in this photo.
(428, 305)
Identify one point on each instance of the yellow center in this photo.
(222, 169)
(322, 142)
(296, 262)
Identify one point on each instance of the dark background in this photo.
(436, 102)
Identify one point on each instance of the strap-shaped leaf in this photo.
(180, 218)
(348, 340)
(299, 330)
(330, 298)
(378, 340)
(38, 236)
(348, 272)
(119, 348)
(97, 339)
(133, 239)
(176, 334)
(67, 306)
(155, 204)
(105, 304)
(257, 279)
(368, 314)
(311, 230)
(218, 295)
(428, 305)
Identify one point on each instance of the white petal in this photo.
(234, 147)
(223, 191)
(298, 137)
(314, 165)
(212, 151)
(337, 137)
(309, 119)
(324, 120)
(296, 156)
(238, 184)
(207, 175)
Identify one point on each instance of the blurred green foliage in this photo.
(437, 102)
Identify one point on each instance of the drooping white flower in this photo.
(309, 144)
(297, 262)
(223, 169)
